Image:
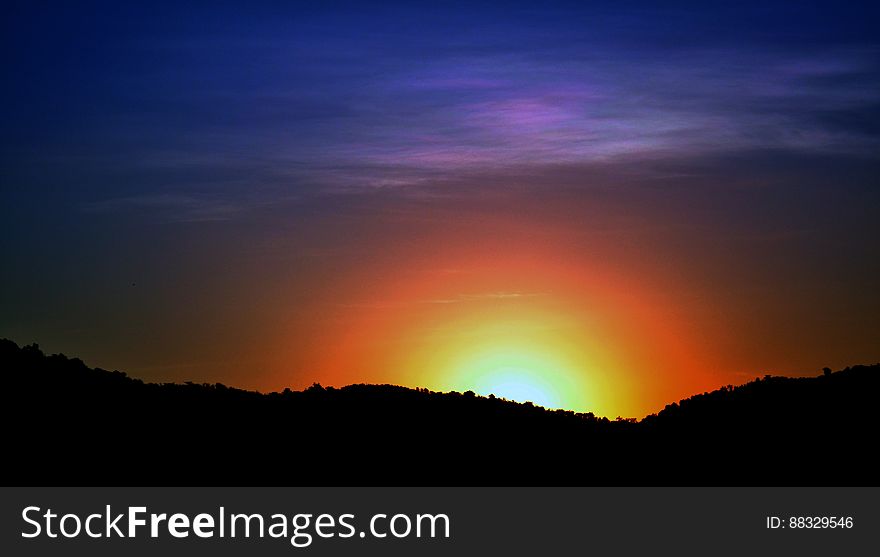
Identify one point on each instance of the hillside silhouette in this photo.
(68, 424)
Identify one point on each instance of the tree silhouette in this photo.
(70, 424)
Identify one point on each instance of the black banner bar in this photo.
(433, 521)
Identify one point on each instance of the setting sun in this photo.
(545, 326)
(521, 377)
(512, 349)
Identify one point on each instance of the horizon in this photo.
(757, 378)
(603, 206)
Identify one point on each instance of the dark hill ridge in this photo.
(70, 424)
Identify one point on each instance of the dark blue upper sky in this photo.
(339, 95)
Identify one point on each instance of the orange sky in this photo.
(594, 339)
(492, 295)
(616, 299)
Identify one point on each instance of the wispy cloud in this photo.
(452, 115)
(335, 109)
(513, 110)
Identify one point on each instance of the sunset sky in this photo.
(601, 206)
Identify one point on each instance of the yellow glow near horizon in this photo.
(520, 376)
(552, 334)
(517, 353)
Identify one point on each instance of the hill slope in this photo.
(66, 423)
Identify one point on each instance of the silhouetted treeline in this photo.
(66, 423)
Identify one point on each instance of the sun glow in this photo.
(521, 377)
(519, 385)
(553, 333)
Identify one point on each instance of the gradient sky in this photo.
(605, 206)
